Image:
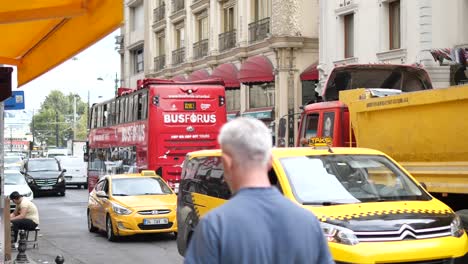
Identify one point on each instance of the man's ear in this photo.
(227, 160)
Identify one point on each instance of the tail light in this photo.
(222, 100)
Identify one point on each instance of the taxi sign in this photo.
(320, 141)
(148, 173)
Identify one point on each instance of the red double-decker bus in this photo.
(153, 127)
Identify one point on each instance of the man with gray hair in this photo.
(258, 224)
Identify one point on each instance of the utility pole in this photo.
(116, 84)
(74, 116)
(56, 130)
(32, 129)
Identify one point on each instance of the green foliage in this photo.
(56, 114)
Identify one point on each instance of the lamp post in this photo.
(116, 81)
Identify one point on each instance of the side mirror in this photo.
(64, 170)
(282, 127)
(424, 186)
(102, 194)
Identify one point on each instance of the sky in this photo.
(78, 75)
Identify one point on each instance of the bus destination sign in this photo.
(190, 106)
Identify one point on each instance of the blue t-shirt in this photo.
(258, 225)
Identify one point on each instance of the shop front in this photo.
(256, 74)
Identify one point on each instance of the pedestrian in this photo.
(25, 216)
(258, 224)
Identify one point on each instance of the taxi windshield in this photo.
(341, 179)
(139, 186)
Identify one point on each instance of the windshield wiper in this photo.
(151, 194)
(120, 194)
(323, 203)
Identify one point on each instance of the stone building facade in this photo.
(265, 50)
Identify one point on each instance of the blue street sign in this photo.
(16, 101)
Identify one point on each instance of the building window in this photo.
(262, 95)
(349, 36)
(261, 9)
(233, 99)
(229, 19)
(202, 27)
(180, 37)
(138, 60)
(138, 18)
(161, 44)
(394, 22)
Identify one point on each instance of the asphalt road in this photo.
(64, 232)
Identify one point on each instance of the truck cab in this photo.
(331, 118)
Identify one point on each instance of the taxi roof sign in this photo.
(148, 173)
(318, 142)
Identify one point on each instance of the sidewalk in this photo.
(45, 254)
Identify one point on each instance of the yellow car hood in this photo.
(147, 201)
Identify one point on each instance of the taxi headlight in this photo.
(339, 234)
(28, 194)
(120, 210)
(456, 227)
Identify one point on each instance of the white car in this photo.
(13, 160)
(76, 170)
(15, 181)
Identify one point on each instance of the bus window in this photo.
(310, 129)
(130, 109)
(144, 102)
(135, 108)
(122, 111)
(105, 114)
(140, 107)
(112, 113)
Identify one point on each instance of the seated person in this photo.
(25, 216)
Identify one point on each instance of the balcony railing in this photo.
(200, 49)
(178, 56)
(159, 62)
(227, 40)
(159, 13)
(259, 30)
(177, 5)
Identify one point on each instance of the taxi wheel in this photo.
(109, 230)
(91, 227)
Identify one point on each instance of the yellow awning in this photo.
(38, 35)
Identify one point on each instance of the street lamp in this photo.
(116, 80)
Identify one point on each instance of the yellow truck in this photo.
(424, 129)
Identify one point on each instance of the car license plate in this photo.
(46, 187)
(156, 221)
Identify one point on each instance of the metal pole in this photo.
(116, 84)
(87, 111)
(74, 116)
(33, 137)
(2, 205)
(56, 130)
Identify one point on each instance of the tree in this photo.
(55, 119)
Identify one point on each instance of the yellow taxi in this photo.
(370, 208)
(123, 205)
